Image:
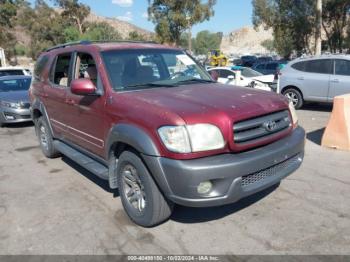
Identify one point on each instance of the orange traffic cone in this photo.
(337, 134)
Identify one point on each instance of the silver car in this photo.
(14, 100)
(315, 79)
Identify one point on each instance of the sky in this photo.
(229, 14)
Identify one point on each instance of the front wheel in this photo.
(45, 139)
(141, 198)
(295, 97)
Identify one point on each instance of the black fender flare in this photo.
(38, 105)
(133, 136)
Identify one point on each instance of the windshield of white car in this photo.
(131, 70)
(7, 85)
(247, 72)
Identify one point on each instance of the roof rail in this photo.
(88, 42)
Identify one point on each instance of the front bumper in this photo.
(12, 115)
(234, 176)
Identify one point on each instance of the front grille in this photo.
(269, 172)
(12, 116)
(257, 128)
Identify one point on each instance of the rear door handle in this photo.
(335, 81)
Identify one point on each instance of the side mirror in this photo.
(83, 87)
(231, 77)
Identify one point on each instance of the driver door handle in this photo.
(301, 78)
(335, 81)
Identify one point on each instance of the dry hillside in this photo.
(245, 40)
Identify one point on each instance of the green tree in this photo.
(268, 44)
(75, 12)
(173, 17)
(292, 21)
(134, 35)
(100, 31)
(8, 11)
(206, 41)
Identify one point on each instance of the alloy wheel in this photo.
(293, 97)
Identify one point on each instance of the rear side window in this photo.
(261, 66)
(39, 67)
(60, 71)
(342, 67)
(321, 66)
(225, 73)
(11, 73)
(299, 66)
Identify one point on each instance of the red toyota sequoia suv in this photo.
(151, 121)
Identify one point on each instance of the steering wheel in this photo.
(177, 74)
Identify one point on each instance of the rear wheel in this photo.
(141, 198)
(45, 139)
(295, 97)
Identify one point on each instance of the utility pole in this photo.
(318, 47)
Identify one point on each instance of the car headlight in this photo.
(293, 113)
(191, 138)
(9, 104)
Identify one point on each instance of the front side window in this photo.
(320, 66)
(130, 70)
(15, 84)
(342, 67)
(85, 67)
(60, 72)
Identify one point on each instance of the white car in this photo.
(249, 77)
(15, 70)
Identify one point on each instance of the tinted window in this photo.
(225, 73)
(299, 66)
(60, 72)
(14, 84)
(39, 67)
(321, 66)
(272, 66)
(11, 72)
(342, 67)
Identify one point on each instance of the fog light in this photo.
(9, 117)
(204, 187)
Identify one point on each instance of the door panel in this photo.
(85, 124)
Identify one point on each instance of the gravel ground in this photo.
(56, 207)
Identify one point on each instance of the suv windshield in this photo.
(149, 68)
(7, 85)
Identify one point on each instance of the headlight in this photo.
(293, 113)
(175, 138)
(9, 104)
(191, 138)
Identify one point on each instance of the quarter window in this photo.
(39, 67)
(342, 67)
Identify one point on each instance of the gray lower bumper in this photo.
(233, 176)
(9, 115)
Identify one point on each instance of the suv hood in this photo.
(207, 102)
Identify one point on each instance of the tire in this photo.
(151, 207)
(45, 139)
(295, 96)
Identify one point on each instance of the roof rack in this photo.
(88, 42)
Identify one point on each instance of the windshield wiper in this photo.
(149, 85)
(195, 80)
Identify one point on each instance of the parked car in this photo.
(249, 77)
(14, 100)
(131, 114)
(268, 68)
(316, 79)
(248, 60)
(10, 71)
